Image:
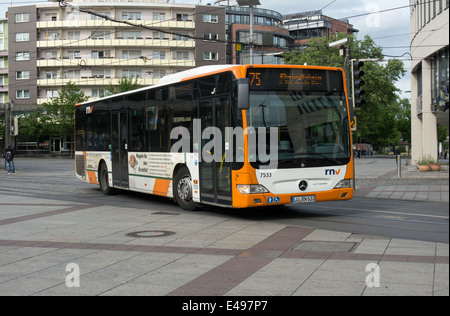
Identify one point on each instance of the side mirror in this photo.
(243, 87)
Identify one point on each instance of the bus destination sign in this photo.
(295, 79)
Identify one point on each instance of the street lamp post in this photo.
(251, 4)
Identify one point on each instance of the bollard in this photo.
(399, 166)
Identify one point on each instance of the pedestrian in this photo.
(9, 157)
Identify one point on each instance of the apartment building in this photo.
(429, 75)
(4, 61)
(51, 45)
(270, 38)
(306, 25)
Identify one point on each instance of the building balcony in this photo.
(97, 81)
(141, 42)
(96, 24)
(114, 62)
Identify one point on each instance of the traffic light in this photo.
(358, 92)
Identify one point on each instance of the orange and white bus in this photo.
(232, 136)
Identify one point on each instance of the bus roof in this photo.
(174, 78)
(193, 73)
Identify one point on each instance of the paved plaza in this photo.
(52, 247)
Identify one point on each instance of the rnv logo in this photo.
(332, 172)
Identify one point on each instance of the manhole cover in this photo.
(325, 246)
(150, 234)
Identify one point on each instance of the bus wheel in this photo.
(104, 181)
(183, 189)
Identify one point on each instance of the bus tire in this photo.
(183, 189)
(103, 180)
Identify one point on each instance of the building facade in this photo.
(4, 61)
(314, 24)
(429, 75)
(95, 43)
(50, 45)
(270, 38)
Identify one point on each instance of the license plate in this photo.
(303, 199)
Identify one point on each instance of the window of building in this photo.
(210, 36)
(159, 55)
(131, 54)
(210, 18)
(21, 56)
(182, 55)
(73, 35)
(52, 16)
(98, 54)
(131, 73)
(22, 17)
(22, 37)
(51, 94)
(22, 94)
(98, 93)
(100, 35)
(159, 16)
(95, 17)
(52, 74)
(50, 55)
(132, 35)
(101, 73)
(159, 35)
(181, 17)
(181, 37)
(75, 54)
(73, 74)
(25, 74)
(131, 16)
(157, 74)
(210, 56)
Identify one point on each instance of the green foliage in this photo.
(57, 117)
(125, 84)
(442, 133)
(384, 117)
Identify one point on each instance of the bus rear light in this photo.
(345, 183)
(251, 189)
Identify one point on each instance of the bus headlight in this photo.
(251, 189)
(345, 183)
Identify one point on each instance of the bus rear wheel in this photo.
(183, 190)
(103, 178)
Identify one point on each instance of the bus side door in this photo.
(119, 150)
(215, 176)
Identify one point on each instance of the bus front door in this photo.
(119, 150)
(215, 172)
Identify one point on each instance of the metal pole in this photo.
(251, 34)
(7, 124)
(399, 166)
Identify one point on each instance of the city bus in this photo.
(233, 136)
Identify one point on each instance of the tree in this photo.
(125, 84)
(377, 119)
(60, 111)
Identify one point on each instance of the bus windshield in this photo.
(312, 127)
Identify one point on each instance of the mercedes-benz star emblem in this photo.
(303, 185)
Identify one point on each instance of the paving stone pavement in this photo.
(51, 247)
(378, 178)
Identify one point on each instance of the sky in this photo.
(388, 28)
